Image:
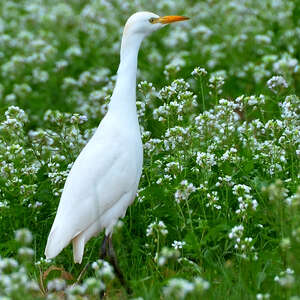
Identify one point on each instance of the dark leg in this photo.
(103, 254)
(113, 260)
(104, 248)
(107, 251)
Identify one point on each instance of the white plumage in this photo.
(105, 176)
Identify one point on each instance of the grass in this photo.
(218, 102)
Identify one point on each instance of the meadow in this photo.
(217, 213)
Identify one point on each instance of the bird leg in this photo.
(103, 254)
(113, 260)
(107, 251)
(104, 248)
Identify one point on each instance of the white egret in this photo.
(105, 176)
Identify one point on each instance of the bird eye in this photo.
(151, 20)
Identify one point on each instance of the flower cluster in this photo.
(184, 192)
(178, 100)
(157, 227)
(206, 160)
(181, 288)
(103, 269)
(166, 254)
(260, 296)
(277, 83)
(245, 199)
(216, 82)
(276, 191)
(178, 244)
(285, 278)
(213, 200)
(14, 277)
(199, 72)
(244, 245)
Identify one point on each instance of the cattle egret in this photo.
(104, 178)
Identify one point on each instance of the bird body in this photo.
(104, 179)
(110, 167)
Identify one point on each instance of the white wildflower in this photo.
(158, 227)
(23, 236)
(103, 269)
(277, 83)
(199, 72)
(56, 284)
(178, 244)
(178, 288)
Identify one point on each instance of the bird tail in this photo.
(78, 248)
(56, 243)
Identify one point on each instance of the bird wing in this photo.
(106, 169)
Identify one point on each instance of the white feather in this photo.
(104, 178)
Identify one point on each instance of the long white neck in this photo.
(123, 100)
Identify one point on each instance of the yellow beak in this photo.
(170, 19)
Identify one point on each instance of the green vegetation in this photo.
(217, 215)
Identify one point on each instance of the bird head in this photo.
(144, 23)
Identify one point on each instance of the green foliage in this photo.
(217, 213)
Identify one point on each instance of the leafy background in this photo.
(221, 146)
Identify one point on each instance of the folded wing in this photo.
(105, 170)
